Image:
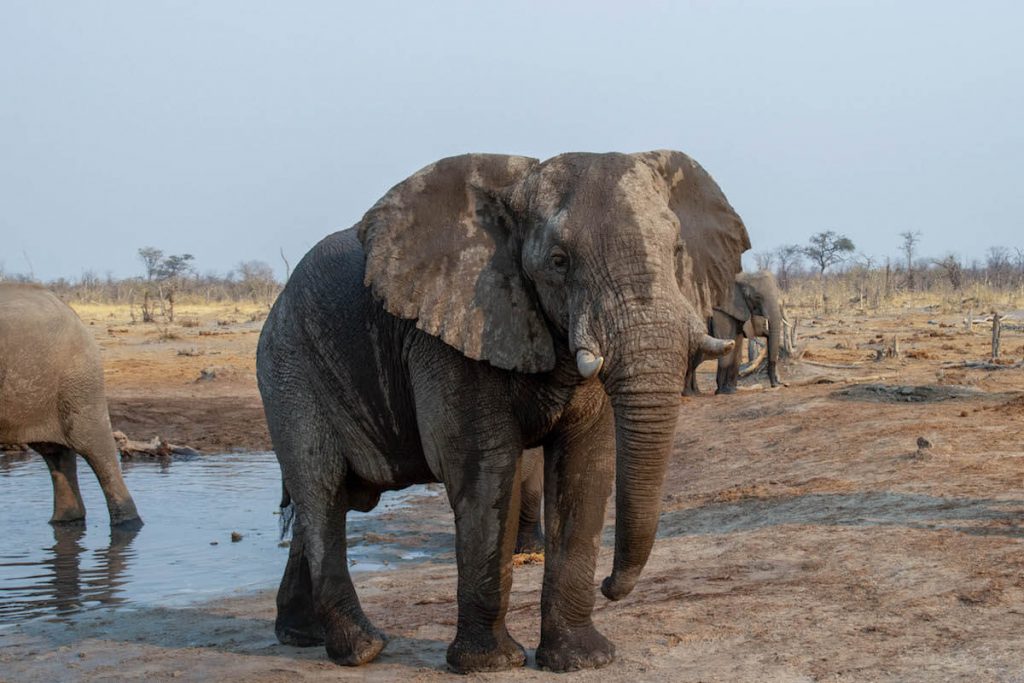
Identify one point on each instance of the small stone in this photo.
(284, 544)
(923, 443)
(236, 537)
(214, 543)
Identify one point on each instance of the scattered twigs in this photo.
(982, 365)
(834, 366)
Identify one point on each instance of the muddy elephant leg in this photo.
(296, 623)
(485, 500)
(91, 437)
(67, 499)
(729, 368)
(351, 639)
(690, 387)
(530, 538)
(577, 483)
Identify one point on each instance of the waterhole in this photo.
(183, 554)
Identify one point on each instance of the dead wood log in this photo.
(981, 365)
(156, 447)
(996, 331)
(835, 366)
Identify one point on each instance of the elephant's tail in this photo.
(287, 512)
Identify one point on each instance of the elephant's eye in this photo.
(559, 259)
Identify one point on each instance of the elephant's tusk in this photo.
(587, 363)
(754, 365)
(715, 347)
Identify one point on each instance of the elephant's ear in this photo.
(736, 305)
(441, 249)
(713, 234)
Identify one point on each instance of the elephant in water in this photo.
(51, 397)
(486, 305)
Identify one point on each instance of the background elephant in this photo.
(51, 397)
(753, 310)
(487, 305)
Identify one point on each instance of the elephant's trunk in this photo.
(643, 379)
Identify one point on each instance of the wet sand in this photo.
(805, 535)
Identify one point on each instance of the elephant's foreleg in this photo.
(530, 538)
(67, 499)
(578, 473)
(485, 499)
(729, 368)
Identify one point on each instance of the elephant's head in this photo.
(604, 263)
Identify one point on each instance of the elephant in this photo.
(486, 305)
(752, 308)
(530, 537)
(52, 398)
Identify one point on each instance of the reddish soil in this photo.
(805, 534)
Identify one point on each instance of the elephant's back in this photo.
(47, 358)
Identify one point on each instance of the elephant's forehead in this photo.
(584, 191)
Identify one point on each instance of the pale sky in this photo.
(230, 130)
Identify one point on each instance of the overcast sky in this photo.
(230, 130)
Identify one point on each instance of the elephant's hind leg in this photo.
(91, 437)
(296, 623)
(67, 499)
(316, 600)
(348, 634)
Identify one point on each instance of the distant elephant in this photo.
(486, 305)
(754, 310)
(52, 398)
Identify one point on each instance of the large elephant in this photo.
(753, 310)
(486, 305)
(52, 398)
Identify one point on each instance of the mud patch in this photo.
(894, 393)
(974, 516)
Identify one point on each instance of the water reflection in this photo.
(184, 553)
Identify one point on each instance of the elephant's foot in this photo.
(124, 515)
(70, 517)
(726, 390)
(352, 642)
(467, 654)
(298, 630)
(530, 539)
(571, 649)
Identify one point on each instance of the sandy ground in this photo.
(805, 535)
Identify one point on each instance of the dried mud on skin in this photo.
(804, 536)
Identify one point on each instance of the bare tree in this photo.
(763, 260)
(910, 241)
(150, 257)
(257, 277)
(827, 249)
(789, 257)
(997, 266)
(953, 270)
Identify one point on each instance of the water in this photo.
(183, 554)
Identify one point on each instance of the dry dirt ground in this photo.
(805, 534)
